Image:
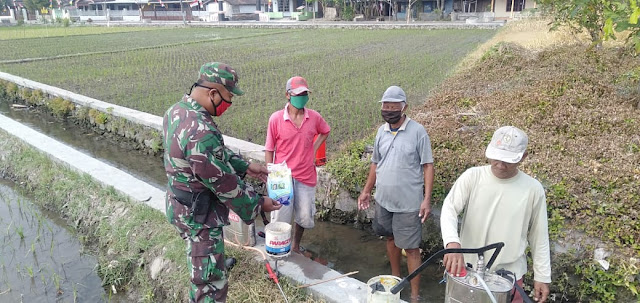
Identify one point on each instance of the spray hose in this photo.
(497, 246)
(486, 288)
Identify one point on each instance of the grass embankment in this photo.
(127, 236)
(582, 113)
(347, 70)
(44, 31)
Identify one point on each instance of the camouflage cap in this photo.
(217, 72)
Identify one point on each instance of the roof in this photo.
(242, 2)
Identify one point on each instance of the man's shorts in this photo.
(405, 228)
(303, 205)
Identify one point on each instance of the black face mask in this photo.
(391, 116)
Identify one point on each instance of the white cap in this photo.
(508, 144)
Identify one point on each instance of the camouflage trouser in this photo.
(205, 255)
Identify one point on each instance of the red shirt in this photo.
(294, 145)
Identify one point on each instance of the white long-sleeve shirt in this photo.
(513, 211)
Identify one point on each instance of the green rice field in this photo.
(116, 41)
(44, 31)
(347, 70)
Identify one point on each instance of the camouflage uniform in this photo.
(196, 160)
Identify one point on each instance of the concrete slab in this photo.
(305, 271)
(102, 172)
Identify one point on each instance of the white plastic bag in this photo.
(280, 183)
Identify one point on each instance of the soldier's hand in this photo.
(270, 205)
(258, 171)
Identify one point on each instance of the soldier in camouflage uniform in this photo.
(206, 179)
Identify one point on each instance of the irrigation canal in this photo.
(340, 247)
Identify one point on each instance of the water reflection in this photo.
(41, 261)
(116, 153)
(347, 249)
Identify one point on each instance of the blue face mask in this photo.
(299, 101)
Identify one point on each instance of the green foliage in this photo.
(11, 89)
(116, 272)
(37, 97)
(98, 116)
(35, 5)
(66, 22)
(25, 93)
(61, 107)
(601, 19)
(350, 169)
(347, 13)
(599, 285)
(156, 145)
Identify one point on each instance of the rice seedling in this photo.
(29, 270)
(56, 282)
(20, 231)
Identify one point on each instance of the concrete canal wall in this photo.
(329, 195)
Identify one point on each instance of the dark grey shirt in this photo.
(399, 157)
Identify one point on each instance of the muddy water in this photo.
(40, 260)
(109, 150)
(347, 249)
(340, 247)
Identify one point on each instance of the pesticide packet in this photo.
(280, 183)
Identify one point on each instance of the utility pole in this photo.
(184, 21)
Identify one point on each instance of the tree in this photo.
(35, 5)
(411, 2)
(602, 19)
(625, 18)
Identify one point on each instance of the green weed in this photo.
(61, 107)
(20, 231)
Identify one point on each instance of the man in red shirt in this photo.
(290, 136)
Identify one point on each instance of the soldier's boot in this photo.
(229, 263)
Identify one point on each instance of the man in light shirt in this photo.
(402, 172)
(500, 204)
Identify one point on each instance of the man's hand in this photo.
(363, 200)
(258, 171)
(454, 263)
(270, 204)
(540, 291)
(425, 209)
